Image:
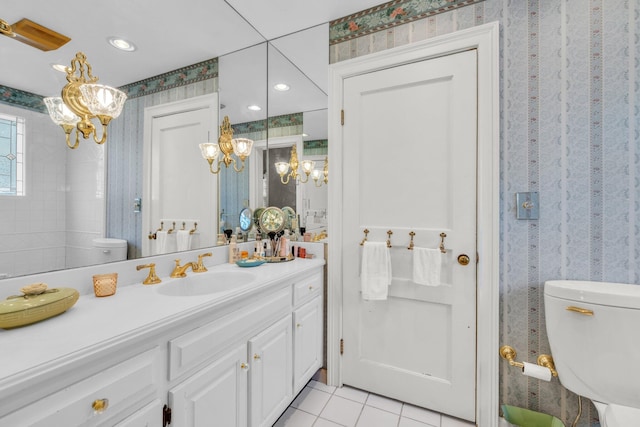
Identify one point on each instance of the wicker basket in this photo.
(104, 285)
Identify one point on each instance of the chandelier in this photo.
(83, 100)
(307, 168)
(241, 147)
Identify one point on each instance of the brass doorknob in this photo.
(463, 259)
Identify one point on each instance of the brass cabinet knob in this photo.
(463, 259)
(256, 356)
(100, 405)
(310, 287)
(298, 325)
(244, 366)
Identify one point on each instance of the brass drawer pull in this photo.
(584, 311)
(100, 405)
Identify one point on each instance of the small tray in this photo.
(250, 262)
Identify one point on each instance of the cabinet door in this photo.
(307, 341)
(149, 416)
(215, 396)
(270, 379)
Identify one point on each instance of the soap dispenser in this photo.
(232, 251)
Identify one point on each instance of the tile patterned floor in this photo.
(320, 405)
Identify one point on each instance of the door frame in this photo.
(484, 38)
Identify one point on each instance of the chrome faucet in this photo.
(180, 270)
(199, 267)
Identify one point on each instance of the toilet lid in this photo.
(621, 416)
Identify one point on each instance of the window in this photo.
(11, 155)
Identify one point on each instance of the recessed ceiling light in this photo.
(282, 87)
(254, 107)
(59, 67)
(121, 44)
(305, 135)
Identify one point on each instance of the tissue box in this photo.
(26, 309)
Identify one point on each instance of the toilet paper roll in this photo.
(536, 371)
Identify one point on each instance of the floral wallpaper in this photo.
(388, 15)
(570, 130)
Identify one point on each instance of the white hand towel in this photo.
(427, 264)
(183, 239)
(375, 275)
(161, 242)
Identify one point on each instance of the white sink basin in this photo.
(206, 283)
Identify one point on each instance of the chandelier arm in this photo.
(104, 135)
(215, 172)
(304, 181)
(73, 147)
(316, 182)
(282, 180)
(236, 169)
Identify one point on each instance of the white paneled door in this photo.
(409, 165)
(178, 186)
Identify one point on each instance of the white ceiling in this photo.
(168, 35)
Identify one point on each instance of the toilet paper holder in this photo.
(509, 353)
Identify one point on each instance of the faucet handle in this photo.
(200, 268)
(152, 278)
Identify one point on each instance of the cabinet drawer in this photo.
(123, 385)
(193, 348)
(307, 288)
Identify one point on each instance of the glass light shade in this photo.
(242, 146)
(316, 174)
(103, 100)
(282, 168)
(307, 166)
(59, 112)
(209, 150)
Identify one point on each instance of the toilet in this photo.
(108, 250)
(594, 334)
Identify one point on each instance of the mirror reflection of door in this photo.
(179, 189)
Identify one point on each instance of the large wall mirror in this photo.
(245, 77)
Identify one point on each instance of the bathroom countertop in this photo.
(93, 322)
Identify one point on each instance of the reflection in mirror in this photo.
(243, 83)
(305, 104)
(99, 191)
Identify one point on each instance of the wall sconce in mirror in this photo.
(241, 147)
(283, 168)
(324, 174)
(83, 100)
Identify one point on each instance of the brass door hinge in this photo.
(166, 416)
(341, 346)
(342, 117)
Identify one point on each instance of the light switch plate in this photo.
(527, 206)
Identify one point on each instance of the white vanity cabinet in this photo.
(217, 395)
(98, 400)
(235, 362)
(270, 379)
(308, 342)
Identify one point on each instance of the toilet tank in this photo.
(594, 334)
(108, 250)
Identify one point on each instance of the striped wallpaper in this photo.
(570, 129)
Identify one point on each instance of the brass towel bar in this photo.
(411, 236)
